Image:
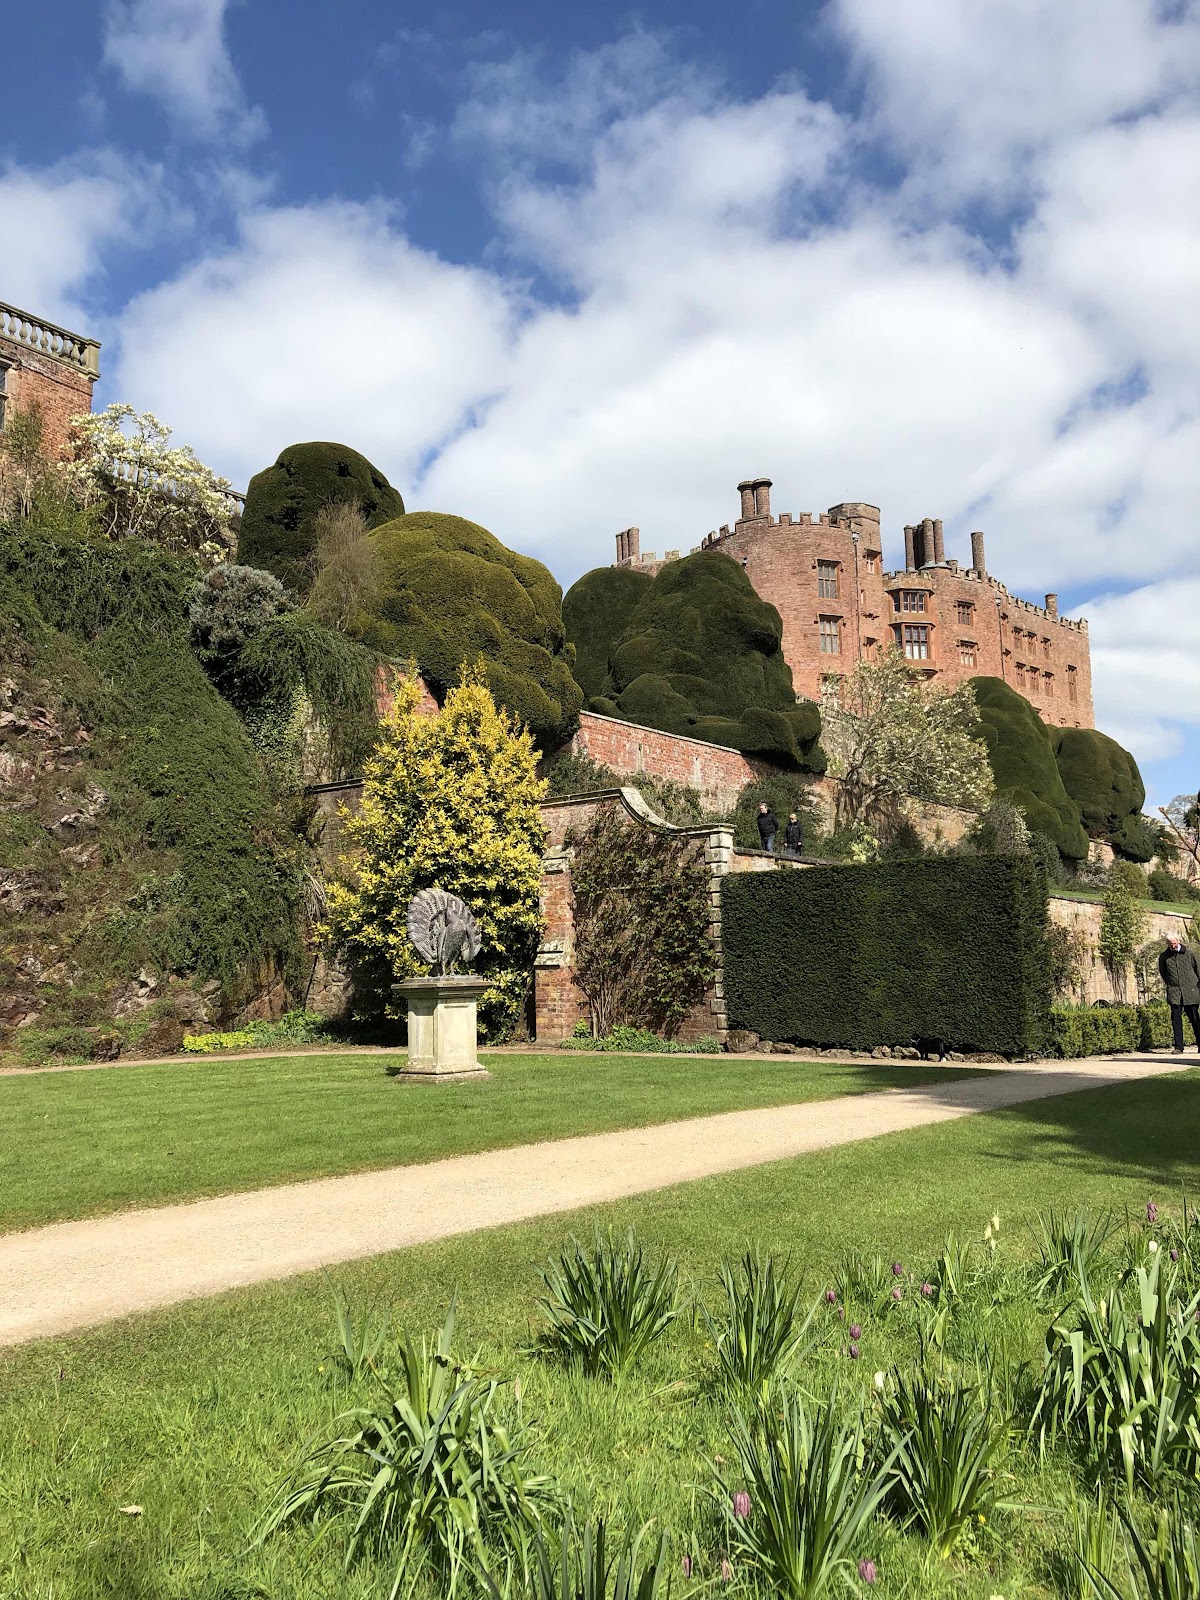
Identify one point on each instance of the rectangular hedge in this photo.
(949, 952)
(1102, 1030)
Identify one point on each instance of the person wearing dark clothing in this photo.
(1179, 970)
(793, 836)
(767, 826)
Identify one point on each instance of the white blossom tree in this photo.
(138, 485)
(891, 734)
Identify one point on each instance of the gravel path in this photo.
(73, 1274)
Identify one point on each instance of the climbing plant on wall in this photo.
(643, 951)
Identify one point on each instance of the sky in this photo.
(563, 269)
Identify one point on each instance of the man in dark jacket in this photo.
(767, 826)
(1180, 972)
(793, 836)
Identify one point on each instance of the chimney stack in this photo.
(746, 490)
(910, 548)
(756, 498)
(1052, 605)
(939, 544)
(978, 561)
(620, 548)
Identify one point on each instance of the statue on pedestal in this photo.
(443, 1033)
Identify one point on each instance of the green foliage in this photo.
(1070, 1247)
(693, 651)
(943, 1442)
(1103, 780)
(1066, 951)
(1122, 926)
(1167, 886)
(606, 1303)
(643, 949)
(784, 793)
(283, 500)
(760, 1334)
(294, 1027)
(1108, 1030)
(951, 950)
(1021, 751)
(229, 606)
(806, 1503)
(568, 774)
(587, 1568)
(639, 1041)
(451, 594)
(430, 1479)
(1122, 1377)
(448, 802)
(207, 1044)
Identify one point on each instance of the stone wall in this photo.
(1097, 982)
(718, 773)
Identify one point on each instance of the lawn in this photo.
(191, 1415)
(1185, 908)
(80, 1143)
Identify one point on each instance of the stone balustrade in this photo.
(34, 333)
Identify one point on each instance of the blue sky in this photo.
(563, 269)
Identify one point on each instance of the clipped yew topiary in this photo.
(282, 502)
(948, 951)
(451, 594)
(693, 651)
(1103, 780)
(1021, 751)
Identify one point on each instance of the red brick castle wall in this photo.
(45, 366)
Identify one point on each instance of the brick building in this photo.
(825, 576)
(45, 366)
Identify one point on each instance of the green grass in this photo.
(193, 1413)
(80, 1143)
(1185, 908)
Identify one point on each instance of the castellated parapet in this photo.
(825, 576)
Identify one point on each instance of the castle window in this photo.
(916, 642)
(4, 371)
(908, 600)
(1021, 674)
(1048, 679)
(827, 580)
(966, 654)
(1046, 648)
(831, 635)
(1072, 685)
(966, 613)
(870, 563)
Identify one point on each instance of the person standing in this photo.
(1180, 972)
(793, 836)
(768, 827)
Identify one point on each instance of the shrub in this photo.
(805, 1504)
(760, 1333)
(1067, 949)
(1087, 1031)
(207, 1044)
(639, 1041)
(448, 802)
(692, 651)
(942, 1441)
(784, 793)
(1122, 926)
(432, 1478)
(279, 529)
(1104, 782)
(229, 605)
(587, 1568)
(949, 950)
(346, 585)
(606, 1303)
(1164, 885)
(1070, 1247)
(451, 594)
(1021, 751)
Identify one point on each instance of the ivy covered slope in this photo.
(282, 502)
(451, 593)
(692, 651)
(1021, 751)
(141, 851)
(1103, 780)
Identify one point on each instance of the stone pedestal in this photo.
(442, 1029)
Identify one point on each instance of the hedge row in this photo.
(1105, 1030)
(949, 953)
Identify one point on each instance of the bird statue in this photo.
(442, 930)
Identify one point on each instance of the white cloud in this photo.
(319, 322)
(60, 223)
(175, 51)
(1146, 666)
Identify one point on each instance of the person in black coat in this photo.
(1180, 972)
(793, 836)
(768, 827)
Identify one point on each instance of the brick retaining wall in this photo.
(716, 771)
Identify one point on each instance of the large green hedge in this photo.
(693, 651)
(949, 952)
(1021, 751)
(450, 593)
(283, 500)
(1106, 1030)
(1103, 780)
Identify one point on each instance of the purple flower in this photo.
(1174, 1253)
(897, 1270)
(927, 1290)
(726, 1572)
(741, 1505)
(687, 1566)
(1151, 1213)
(855, 1331)
(854, 1352)
(830, 1296)
(866, 1571)
(897, 1293)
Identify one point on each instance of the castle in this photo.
(825, 577)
